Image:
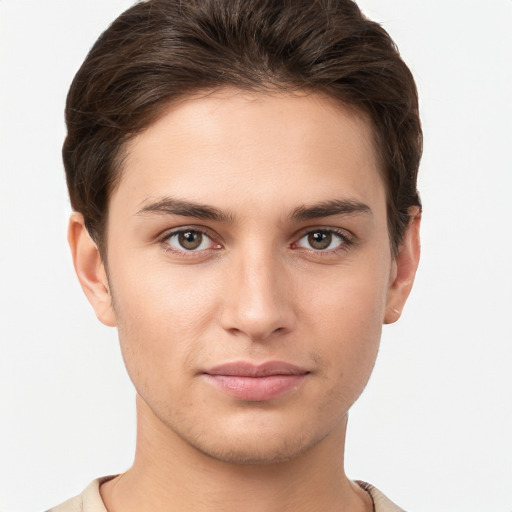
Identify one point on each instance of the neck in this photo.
(170, 475)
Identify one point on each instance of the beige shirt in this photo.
(90, 500)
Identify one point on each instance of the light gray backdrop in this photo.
(434, 427)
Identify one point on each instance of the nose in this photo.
(258, 300)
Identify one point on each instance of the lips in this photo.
(256, 383)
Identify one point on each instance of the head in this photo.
(160, 51)
(244, 177)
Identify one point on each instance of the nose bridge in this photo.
(258, 300)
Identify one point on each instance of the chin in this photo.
(254, 455)
(254, 448)
(259, 434)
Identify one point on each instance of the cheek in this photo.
(351, 299)
(349, 317)
(160, 296)
(161, 316)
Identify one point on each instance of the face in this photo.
(250, 270)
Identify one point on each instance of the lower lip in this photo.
(256, 389)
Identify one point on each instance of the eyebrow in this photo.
(329, 208)
(174, 206)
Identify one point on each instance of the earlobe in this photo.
(404, 268)
(90, 269)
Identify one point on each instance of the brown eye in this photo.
(323, 240)
(320, 240)
(190, 240)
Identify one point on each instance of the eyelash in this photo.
(184, 253)
(346, 241)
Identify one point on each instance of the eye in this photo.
(323, 240)
(189, 240)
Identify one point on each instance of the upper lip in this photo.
(249, 369)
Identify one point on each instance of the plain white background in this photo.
(433, 429)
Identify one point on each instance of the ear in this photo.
(90, 269)
(404, 268)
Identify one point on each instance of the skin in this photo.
(259, 288)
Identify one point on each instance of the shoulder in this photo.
(72, 505)
(89, 501)
(380, 502)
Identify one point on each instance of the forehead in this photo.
(241, 142)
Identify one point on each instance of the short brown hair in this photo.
(160, 50)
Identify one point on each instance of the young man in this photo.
(243, 179)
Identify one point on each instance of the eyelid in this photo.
(348, 239)
(168, 233)
(346, 236)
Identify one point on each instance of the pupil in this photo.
(190, 239)
(320, 240)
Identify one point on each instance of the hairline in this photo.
(165, 106)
